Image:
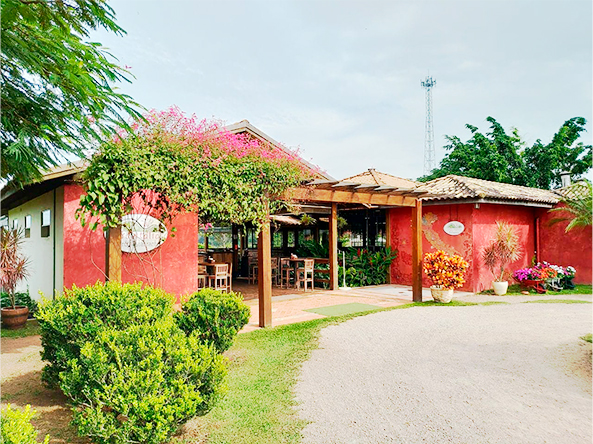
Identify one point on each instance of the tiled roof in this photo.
(453, 187)
(376, 177)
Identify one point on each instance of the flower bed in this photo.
(545, 275)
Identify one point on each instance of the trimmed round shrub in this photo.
(139, 384)
(214, 317)
(69, 321)
(17, 428)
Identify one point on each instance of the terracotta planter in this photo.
(441, 295)
(500, 288)
(13, 318)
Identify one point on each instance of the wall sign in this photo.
(141, 233)
(454, 228)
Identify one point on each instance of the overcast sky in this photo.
(341, 79)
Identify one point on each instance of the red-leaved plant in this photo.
(13, 265)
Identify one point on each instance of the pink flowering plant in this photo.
(544, 271)
(174, 163)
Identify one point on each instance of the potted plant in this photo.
(569, 273)
(503, 250)
(13, 268)
(446, 273)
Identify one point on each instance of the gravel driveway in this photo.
(478, 374)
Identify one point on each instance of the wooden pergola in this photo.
(317, 192)
(336, 193)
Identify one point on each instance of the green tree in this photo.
(57, 93)
(500, 157)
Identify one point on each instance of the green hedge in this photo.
(17, 428)
(214, 317)
(79, 315)
(141, 383)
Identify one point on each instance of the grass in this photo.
(515, 290)
(31, 328)
(557, 301)
(587, 338)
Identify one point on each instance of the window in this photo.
(277, 239)
(290, 239)
(45, 223)
(220, 238)
(366, 229)
(4, 222)
(28, 225)
(15, 224)
(251, 239)
(305, 235)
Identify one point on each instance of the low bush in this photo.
(213, 317)
(137, 385)
(17, 428)
(78, 316)
(364, 267)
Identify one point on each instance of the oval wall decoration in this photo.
(454, 228)
(141, 233)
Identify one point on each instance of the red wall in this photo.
(555, 246)
(573, 248)
(172, 266)
(522, 219)
(434, 238)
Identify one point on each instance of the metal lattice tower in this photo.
(429, 155)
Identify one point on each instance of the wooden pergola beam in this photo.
(264, 275)
(333, 248)
(417, 252)
(347, 196)
(113, 255)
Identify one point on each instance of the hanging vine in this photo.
(173, 163)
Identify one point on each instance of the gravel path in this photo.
(480, 374)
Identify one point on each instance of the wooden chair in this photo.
(230, 277)
(275, 270)
(220, 279)
(285, 272)
(202, 276)
(253, 268)
(305, 274)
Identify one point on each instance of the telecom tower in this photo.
(429, 156)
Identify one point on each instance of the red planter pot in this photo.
(14, 318)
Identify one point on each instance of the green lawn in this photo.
(515, 290)
(31, 328)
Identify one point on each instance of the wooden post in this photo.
(333, 248)
(388, 237)
(417, 252)
(264, 275)
(113, 254)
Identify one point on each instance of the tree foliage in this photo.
(172, 163)
(502, 157)
(57, 93)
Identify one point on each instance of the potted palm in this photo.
(502, 251)
(13, 268)
(446, 273)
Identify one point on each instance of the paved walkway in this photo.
(290, 308)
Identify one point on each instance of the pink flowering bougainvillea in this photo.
(176, 163)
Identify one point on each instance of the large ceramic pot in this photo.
(500, 288)
(441, 294)
(13, 318)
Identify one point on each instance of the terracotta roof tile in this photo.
(373, 176)
(460, 187)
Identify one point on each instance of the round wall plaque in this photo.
(141, 233)
(454, 228)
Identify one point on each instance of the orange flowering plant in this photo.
(446, 272)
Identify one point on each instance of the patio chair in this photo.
(253, 268)
(275, 270)
(220, 279)
(202, 276)
(230, 277)
(285, 272)
(305, 274)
